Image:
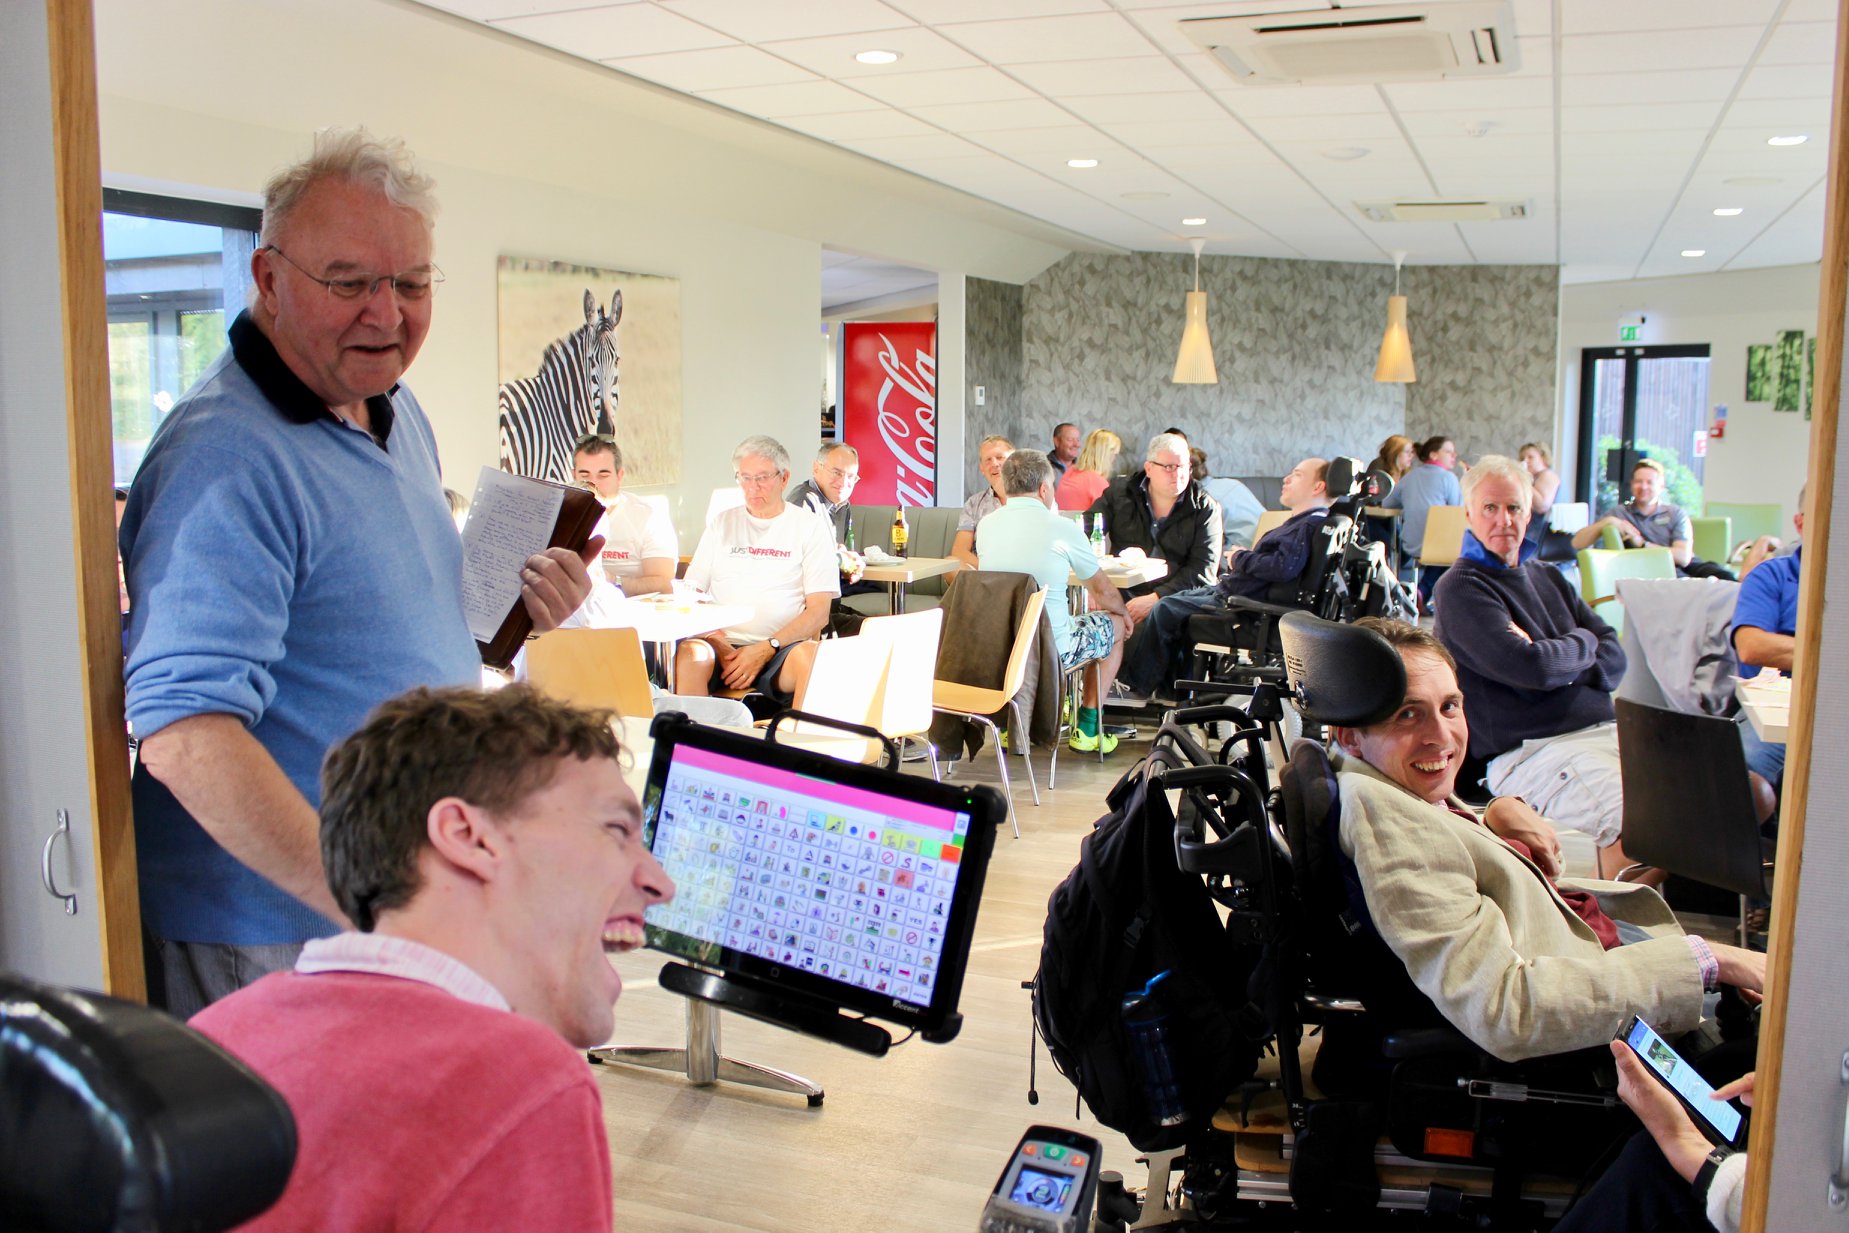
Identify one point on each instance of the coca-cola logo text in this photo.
(908, 426)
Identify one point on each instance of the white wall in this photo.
(1762, 458)
(538, 155)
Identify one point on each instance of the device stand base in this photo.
(702, 1062)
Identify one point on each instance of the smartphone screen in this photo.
(1722, 1118)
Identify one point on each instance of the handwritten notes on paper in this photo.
(510, 519)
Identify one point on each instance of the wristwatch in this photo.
(776, 645)
(1704, 1176)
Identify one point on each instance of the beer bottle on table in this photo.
(848, 543)
(899, 533)
(1097, 534)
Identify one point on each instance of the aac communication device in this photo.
(1720, 1120)
(1049, 1185)
(814, 886)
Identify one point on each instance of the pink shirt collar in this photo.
(381, 955)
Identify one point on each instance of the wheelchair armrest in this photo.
(1426, 1042)
(1243, 603)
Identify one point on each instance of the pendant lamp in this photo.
(1395, 363)
(1194, 362)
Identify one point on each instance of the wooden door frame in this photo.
(76, 152)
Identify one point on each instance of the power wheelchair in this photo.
(1346, 577)
(1376, 1102)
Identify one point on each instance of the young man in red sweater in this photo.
(491, 855)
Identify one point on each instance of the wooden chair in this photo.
(1268, 522)
(976, 704)
(1600, 569)
(1688, 806)
(905, 707)
(592, 667)
(1444, 536)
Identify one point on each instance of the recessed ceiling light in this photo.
(877, 57)
(1081, 163)
(1345, 154)
(1694, 252)
(1145, 195)
(1193, 222)
(1728, 211)
(1795, 139)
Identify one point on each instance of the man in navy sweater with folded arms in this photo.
(1280, 556)
(1536, 665)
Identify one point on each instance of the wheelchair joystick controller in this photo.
(1117, 1207)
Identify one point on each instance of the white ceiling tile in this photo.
(713, 68)
(1641, 16)
(969, 85)
(1130, 108)
(614, 31)
(1630, 88)
(1066, 140)
(1251, 101)
(987, 117)
(992, 175)
(1488, 93)
(1037, 40)
(1780, 115)
(1162, 25)
(1789, 81)
(1496, 124)
(1534, 53)
(1326, 130)
(758, 21)
(489, 10)
(1640, 117)
(1811, 10)
(1166, 134)
(807, 98)
(938, 12)
(1801, 42)
(1135, 75)
(919, 145)
(858, 125)
(920, 50)
(1718, 47)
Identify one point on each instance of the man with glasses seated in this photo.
(293, 564)
(640, 549)
(1170, 519)
(779, 559)
(830, 487)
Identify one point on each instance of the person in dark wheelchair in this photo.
(1519, 961)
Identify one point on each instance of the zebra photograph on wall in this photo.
(563, 372)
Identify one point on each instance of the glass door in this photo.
(1642, 402)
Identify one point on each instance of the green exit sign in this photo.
(1630, 333)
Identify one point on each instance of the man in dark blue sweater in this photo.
(1536, 665)
(1280, 556)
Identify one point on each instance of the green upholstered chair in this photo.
(1749, 521)
(1609, 539)
(1713, 538)
(1600, 569)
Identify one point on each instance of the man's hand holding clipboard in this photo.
(526, 555)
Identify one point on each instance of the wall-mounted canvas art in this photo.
(1758, 373)
(585, 350)
(1790, 370)
(1810, 372)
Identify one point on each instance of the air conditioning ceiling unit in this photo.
(1377, 43)
(1458, 211)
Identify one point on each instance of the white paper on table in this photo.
(510, 519)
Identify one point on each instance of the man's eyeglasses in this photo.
(767, 477)
(842, 474)
(411, 286)
(1170, 467)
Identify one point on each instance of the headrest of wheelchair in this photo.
(1341, 674)
(121, 1117)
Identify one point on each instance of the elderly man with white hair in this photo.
(779, 559)
(1537, 664)
(1170, 519)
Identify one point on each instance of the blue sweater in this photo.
(1556, 680)
(290, 570)
(1278, 557)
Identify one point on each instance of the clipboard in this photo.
(579, 512)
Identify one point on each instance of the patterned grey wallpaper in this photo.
(1295, 343)
(992, 359)
(1485, 339)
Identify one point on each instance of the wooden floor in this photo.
(911, 1141)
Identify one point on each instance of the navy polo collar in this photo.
(257, 356)
(1474, 550)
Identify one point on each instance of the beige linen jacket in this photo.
(1489, 940)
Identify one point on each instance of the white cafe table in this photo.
(1124, 575)
(1766, 699)
(664, 620)
(900, 572)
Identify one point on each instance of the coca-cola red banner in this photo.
(889, 409)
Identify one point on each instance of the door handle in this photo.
(1839, 1180)
(62, 832)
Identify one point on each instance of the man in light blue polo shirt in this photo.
(1765, 626)
(1027, 536)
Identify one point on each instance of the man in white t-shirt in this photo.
(640, 550)
(776, 557)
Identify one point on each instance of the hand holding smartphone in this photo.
(1720, 1120)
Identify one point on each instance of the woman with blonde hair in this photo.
(1397, 456)
(1090, 473)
